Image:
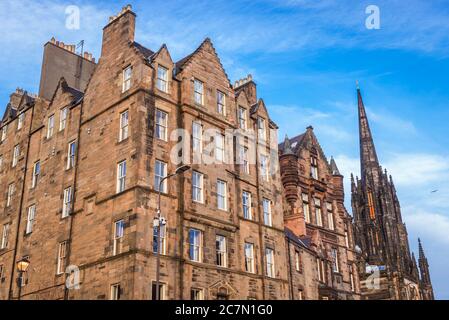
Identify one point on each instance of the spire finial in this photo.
(287, 146)
(334, 167)
(357, 84)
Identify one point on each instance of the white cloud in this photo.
(431, 225)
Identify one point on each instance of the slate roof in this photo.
(145, 51)
(294, 143)
(303, 242)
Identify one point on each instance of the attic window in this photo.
(162, 79)
(127, 74)
(20, 121)
(294, 144)
(4, 132)
(199, 92)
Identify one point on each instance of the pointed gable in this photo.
(74, 96)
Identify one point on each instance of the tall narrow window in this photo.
(197, 187)
(219, 147)
(67, 204)
(63, 118)
(351, 277)
(244, 157)
(269, 257)
(306, 207)
(314, 168)
(62, 255)
(372, 213)
(261, 127)
(1, 162)
(320, 270)
(267, 213)
(196, 294)
(50, 126)
(330, 216)
(4, 132)
(115, 292)
(242, 118)
(162, 79)
(347, 239)
(121, 176)
(124, 125)
(127, 75)
(221, 251)
(264, 168)
(15, 155)
(36, 174)
(197, 134)
(2, 268)
(119, 230)
(5, 236)
(199, 92)
(249, 258)
(222, 196)
(246, 203)
(195, 245)
(160, 173)
(298, 261)
(71, 154)
(162, 291)
(30, 219)
(335, 261)
(162, 239)
(11, 189)
(20, 121)
(221, 100)
(318, 212)
(161, 125)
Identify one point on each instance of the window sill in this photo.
(123, 141)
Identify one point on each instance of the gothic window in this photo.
(372, 213)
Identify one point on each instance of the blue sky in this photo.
(305, 56)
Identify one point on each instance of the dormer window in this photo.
(127, 74)
(221, 108)
(199, 92)
(314, 167)
(162, 79)
(20, 121)
(242, 118)
(4, 132)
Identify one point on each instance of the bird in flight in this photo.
(434, 191)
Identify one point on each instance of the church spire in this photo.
(368, 156)
(334, 167)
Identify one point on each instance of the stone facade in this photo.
(388, 270)
(317, 222)
(107, 232)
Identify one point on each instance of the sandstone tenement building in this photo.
(380, 232)
(80, 171)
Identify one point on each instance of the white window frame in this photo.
(5, 236)
(63, 118)
(335, 261)
(50, 126)
(247, 205)
(11, 191)
(119, 233)
(198, 88)
(221, 103)
(4, 132)
(20, 120)
(197, 187)
(124, 125)
(196, 294)
(71, 155)
(197, 137)
(158, 175)
(249, 258)
(127, 76)
(67, 202)
(264, 171)
(162, 79)
(318, 212)
(163, 239)
(330, 216)
(314, 173)
(267, 213)
(162, 290)
(16, 155)
(222, 195)
(1, 162)
(31, 216)
(269, 257)
(242, 116)
(196, 245)
(161, 130)
(36, 174)
(261, 129)
(62, 255)
(121, 176)
(115, 292)
(219, 147)
(221, 249)
(244, 157)
(297, 261)
(306, 207)
(347, 239)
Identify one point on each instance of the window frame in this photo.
(20, 121)
(31, 217)
(221, 103)
(198, 84)
(198, 188)
(163, 239)
(50, 126)
(161, 125)
(270, 263)
(264, 168)
(67, 202)
(195, 245)
(249, 259)
(306, 207)
(267, 212)
(197, 138)
(243, 118)
(221, 251)
(62, 256)
(5, 236)
(318, 211)
(16, 155)
(121, 176)
(222, 194)
(314, 171)
(244, 155)
(10, 194)
(162, 290)
(158, 178)
(261, 129)
(71, 154)
(247, 214)
(4, 132)
(220, 142)
(118, 236)
(335, 260)
(36, 173)
(115, 290)
(162, 83)
(124, 126)
(330, 216)
(127, 79)
(196, 291)
(63, 114)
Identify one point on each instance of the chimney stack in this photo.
(119, 31)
